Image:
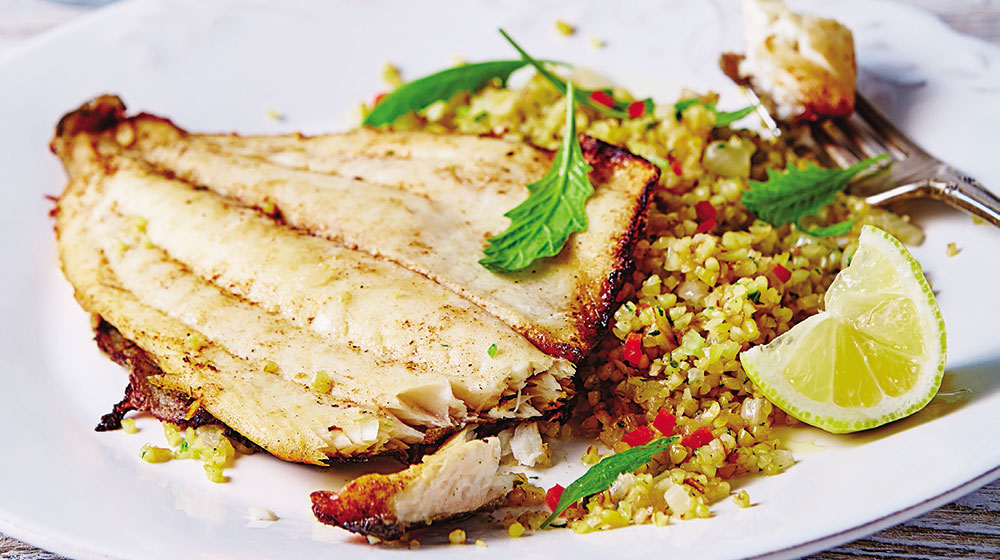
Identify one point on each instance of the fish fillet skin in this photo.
(243, 312)
(429, 202)
(462, 477)
(169, 406)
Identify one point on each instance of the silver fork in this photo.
(913, 172)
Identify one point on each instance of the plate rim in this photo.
(67, 547)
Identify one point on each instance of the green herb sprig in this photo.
(555, 208)
(600, 477)
(443, 85)
(788, 196)
(722, 118)
(583, 96)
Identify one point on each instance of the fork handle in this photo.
(951, 187)
(966, 193)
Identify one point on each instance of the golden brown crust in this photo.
(442, 487)
(362, 510)
(361, 507)
(593, 317)
(97, 115)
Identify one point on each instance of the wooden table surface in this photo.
(966, 528)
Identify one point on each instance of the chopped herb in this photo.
(657, 161)
(600, 477)
(555, 208)
(726, 118)
(789, 196)
(441, 86)
(654, 333)
(492, 350)
(446, 345)
(722, 118)
(183, 447)
(754, 296)
(833, 230)
(674, 364)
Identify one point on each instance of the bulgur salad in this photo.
(710, 280)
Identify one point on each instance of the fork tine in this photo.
(869, 140)
(893, 137)
(835, 144)
(913, 173)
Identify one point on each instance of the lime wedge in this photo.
(875, 355)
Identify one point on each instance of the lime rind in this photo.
(763, 364)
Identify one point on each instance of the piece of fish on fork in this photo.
(913, 172)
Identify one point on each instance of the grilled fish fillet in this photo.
(322, 316)
(462, 477)
(428, 202)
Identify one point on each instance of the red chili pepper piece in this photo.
(706, 226)
(378, 98)
(603, 98)
(633, 349)
(675, 165)
(636, 109)
(665, 422)
(782, 273)
(552, 497)
(697, 438)
(639, 436)
(704, 210)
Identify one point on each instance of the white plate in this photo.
(215, 67)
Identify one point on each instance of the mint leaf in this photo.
(582, 96)
(443, 85)
(795, 193)
(600, 477)
(722, 118)
(833, 230)
(540, 226)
